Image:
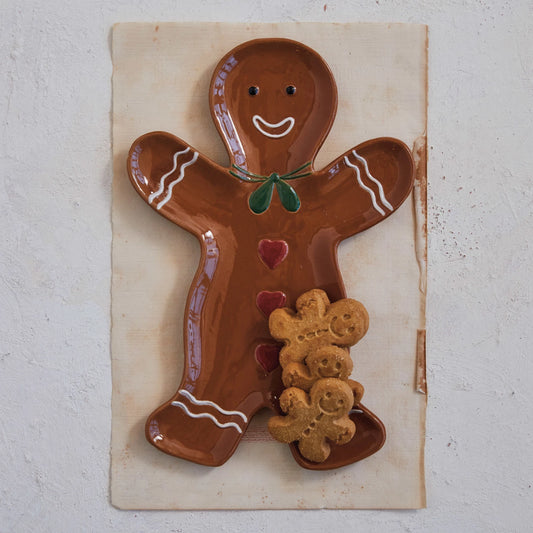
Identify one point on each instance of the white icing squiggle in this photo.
(180, 177)
(207, 415)
(377, 182)
(363, 186)
(192, 399)
(163, 178)
(258, 120)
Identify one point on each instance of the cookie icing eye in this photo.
(290, 90)
(253, 90)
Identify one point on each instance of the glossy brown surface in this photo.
(223, 323)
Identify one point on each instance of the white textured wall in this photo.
(55, 383)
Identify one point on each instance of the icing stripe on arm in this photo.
(163, 178)
(363, 186)
(177, 180)
(377, 182)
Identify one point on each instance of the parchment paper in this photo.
(160, 82)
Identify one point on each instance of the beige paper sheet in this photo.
(160, 82)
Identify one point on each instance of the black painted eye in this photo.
(253, 90)
(290, 89)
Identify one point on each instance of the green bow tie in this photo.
(260, 199)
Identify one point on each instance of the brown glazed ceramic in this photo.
(269, 227)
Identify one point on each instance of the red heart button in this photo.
(267, 355)
(268, 301)
(272, 253)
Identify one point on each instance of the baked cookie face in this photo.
(326, 362)
(330, 362)
(347, 322)
(332, 397)
(273, 101)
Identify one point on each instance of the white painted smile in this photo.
(259, 122)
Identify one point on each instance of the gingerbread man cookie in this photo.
(317, 324)
(326, 362)
(315, 419)
(268, 225)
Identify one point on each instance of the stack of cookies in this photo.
(316, 364)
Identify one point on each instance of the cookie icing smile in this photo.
(259, 121)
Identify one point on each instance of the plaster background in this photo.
(55, 380)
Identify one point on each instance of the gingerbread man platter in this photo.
(269, 225)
